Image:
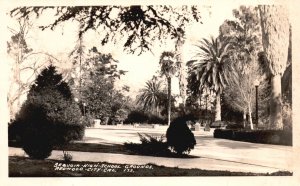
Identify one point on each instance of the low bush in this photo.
(179, 137)
(155, 146)
(136, 116)
(276, 137)
(143, 118)
(87, 120)
(153, 119)
(234, 126)
(67, 157)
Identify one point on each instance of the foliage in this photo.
(120, 116)
(150, 96)
(140, 26)
(168, 68)
(36, 138)
(179, 137)
(211, 64)
(287, 117)
(245, 36)
(276, 137)
(276, 35)
(155, 146)
(98, 91)
(49, 116)
(136, 116)
(234, 126)
(211, 68)
(67, 157)
(87, 120)
(168, 64)
(141, 117)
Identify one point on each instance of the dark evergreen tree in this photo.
(49, 117)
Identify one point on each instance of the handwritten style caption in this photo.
(99, 167)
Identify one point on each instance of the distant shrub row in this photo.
(141, 117)
(276, 137)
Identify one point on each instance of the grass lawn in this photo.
(103, 148)
(25, 167)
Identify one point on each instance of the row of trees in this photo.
(228, 66)
(252, 47)
(225, 66)
(139, 26)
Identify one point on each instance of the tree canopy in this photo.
(140, 25)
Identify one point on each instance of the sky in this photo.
(140, 68)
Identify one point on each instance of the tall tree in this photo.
(99, 94)
(78, 57)
(181, 65)
(140, 26)
(245, 37)
(275, 39)
(240, 92)
(18, 49)
(211, 67)
(150, 96)
(26, 64)
(168, 68)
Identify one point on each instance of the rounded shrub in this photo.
(179, 137)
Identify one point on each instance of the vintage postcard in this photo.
(149, 92)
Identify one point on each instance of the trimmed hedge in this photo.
(275, 137)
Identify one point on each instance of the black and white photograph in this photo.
(149, 90)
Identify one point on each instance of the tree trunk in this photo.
(181, 68)
(275, 103)
(244, 118)
(218, 107)
(250, 117)
(275, 39)
(169, 100)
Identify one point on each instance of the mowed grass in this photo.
(25, 167)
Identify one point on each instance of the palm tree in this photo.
(211, 67)
(168, 69)
(275, 38)
(150, 96)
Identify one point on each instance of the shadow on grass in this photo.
(111, 148)
(25, 167)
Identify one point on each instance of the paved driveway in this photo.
(221, 150)
(214, 154)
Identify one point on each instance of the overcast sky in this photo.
(140, 68)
